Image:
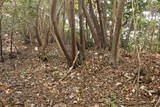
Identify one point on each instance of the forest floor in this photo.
(27, 81)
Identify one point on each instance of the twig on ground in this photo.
(51, 103)
(131, 104)
(70, 69)
(158, 102)
(1, 103)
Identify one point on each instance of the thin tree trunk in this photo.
(87, 34)
(12, 31)
(11, 44)
(128, 36)
(64, 22)
(103, 39)
(116, 33)
(57, 33)
(1, 44)
(95, 20)
(114, 8)
(36, 27)
(82, 34)
(45, 44)
(105, 24)
(90, 24)
(72, 25)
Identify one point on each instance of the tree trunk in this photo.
(128, 36)
(72, 26)
(95, 20)
(45, 43)
(57, 33)
(105, 23)
(82, 34)
(37, 27)
(114, 8)
(12, 31)
(1, 44)
(103, 39)
(90, 24)
(116, 33)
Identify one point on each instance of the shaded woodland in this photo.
(79, 53)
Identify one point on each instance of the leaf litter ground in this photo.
(26, 81)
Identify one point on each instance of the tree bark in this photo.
(103, 39)
(45, 43)
(1, 44)
(114, 8)
(95, 20)
(36, 27)
(57, 33)
(105, 23)
(82, 34)
(72, 26)
(116, 33)
(128, 36)
(90, 24)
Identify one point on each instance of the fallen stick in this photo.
(158, 102)
(70, 69)
(1, 104)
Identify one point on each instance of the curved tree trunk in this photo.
(57, 33)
